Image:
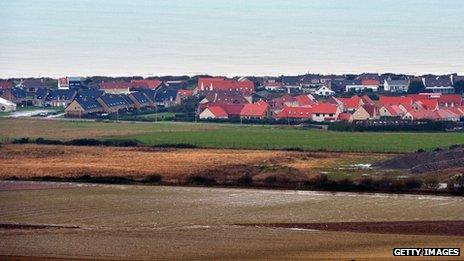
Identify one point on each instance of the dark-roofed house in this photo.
(166, 97)
(91, 93)
(140, 100)
(31, 85)
(39, 97)
(113, 103)
(60, 98)
(16, 95)
(82, 106)
(438, 84)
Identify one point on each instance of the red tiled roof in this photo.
(217, 111)
(324, 108)
(459, 110)
(63, 80)
(351, 103)
(295, 112)
(5, 85)
(149, 84)
(371, 109)
(370, 82)
(394, 110)
(454, 99)
(395, 100)
(115, 85)
(304, 100)
(254, 109)
(367, 100)
(428, 104)
(218, 83)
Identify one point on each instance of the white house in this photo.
(6, 105)
(400, 85)
(324, 91)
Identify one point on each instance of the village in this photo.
(293, 99)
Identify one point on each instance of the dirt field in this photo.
(26, 161)
(147, 222)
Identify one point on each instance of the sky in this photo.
(224, 37)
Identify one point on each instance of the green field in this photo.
(230, 135)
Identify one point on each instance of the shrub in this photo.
(21, 141)
(412, 183)
(420, 150)
(155, 178)
(121, 143)
(178, 145)
(84, 142)
(431, 183)
(48, 142)
(245, 180)
(200, 180)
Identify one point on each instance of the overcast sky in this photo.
(223, 37)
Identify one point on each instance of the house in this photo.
(183, 95)
(245, 87)
(148, 84)
(66, 83)
(82, 106)
(6, 105)
(223, 97)
(367, 100)
(391, 111)
(350, 104)
(324, 91)
(16, 95)
(113, 103)
(363, 85)
(283, 101)
(449, 100)
(298, 113)
(273, 85)
(291, 82)
(396, 85)
(303, 100)
(165, 97)
(5, 85)
(31, 85)
(257, 110)
(426, 104)
(325, 112)
(60, 98)
(213, 112)
(366, 112)
(140, 100)
(39, 97)
(90, 93)
(438, 84)
(395, 100)
(116, 87)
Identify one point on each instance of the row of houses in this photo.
(222, 104)
(327, 85)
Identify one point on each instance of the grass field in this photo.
(230, 135)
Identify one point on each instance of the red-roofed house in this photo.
(213, 112)
(257, 110)
(116, 87)
(245, 87)
(5, 85)
(391, 111)
(147, 84)
(350, 104)
(282, 101)
(300, 113)
(395, 100)
(450, 100)
(458, 110)
(424, 104)
(325, 112)
(305, 100)
(366, 112)
(183, 95)
(367, 100)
